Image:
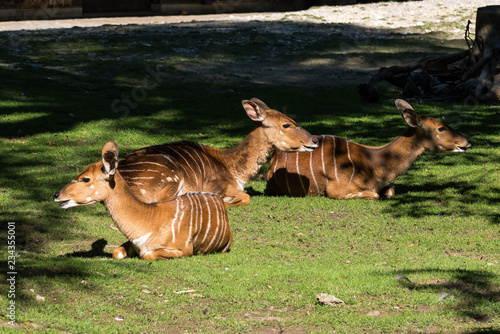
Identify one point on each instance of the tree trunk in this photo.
(473, 73)
(486, 53)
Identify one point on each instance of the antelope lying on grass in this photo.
(341, 169)
(159, 173)
(191, 224)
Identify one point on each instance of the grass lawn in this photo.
(425, 261)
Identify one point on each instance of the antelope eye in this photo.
(286, 126)
(441, 129)
(86, 179)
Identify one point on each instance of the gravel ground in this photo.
(410, 16)
(376, 20)
(413, 16)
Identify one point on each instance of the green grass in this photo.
(440, 231)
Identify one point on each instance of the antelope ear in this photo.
(407, 112)
(259, 102)
(110, 157)
(253, 110)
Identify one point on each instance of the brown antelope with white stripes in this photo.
(158, 173)
(191, 224)
(342, 169)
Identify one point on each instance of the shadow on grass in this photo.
(97, 250)
(97, 77)
(446, 195)
(473, 288)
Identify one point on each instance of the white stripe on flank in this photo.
(198, 214)
(349, 156)
(181, 217)
(335, 158)
(165, 155)
(191, 210)
(312, 171)
(276, 165)
(195, 161)
(200, 159)
(209, 157)
(180, 188)
(209, 221)
(207, 249)
(323, 159)
(298, 173)
(187, 163)
(143, 162)
(224, 223)
(220, 220)
(286, 175)
(172, 226)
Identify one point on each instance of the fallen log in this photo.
(472, 73)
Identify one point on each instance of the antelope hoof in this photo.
(119, 253)
(125, 250)
(363, 194)
(242, 199)
(389, 193)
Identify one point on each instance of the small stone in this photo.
(403, 278)
(443, 296)
(373, 314)
(330, 300)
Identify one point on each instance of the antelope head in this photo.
(92, 185)
(434, 135)
(281, 130)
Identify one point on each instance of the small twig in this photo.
(467, 35)
(184, 291)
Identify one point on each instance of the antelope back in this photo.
(162, 172)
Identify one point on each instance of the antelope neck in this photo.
(129, 214)
(396, 157)
(245, 159)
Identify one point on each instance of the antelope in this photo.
(342, 169)
(159, 173)
(194, 223)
